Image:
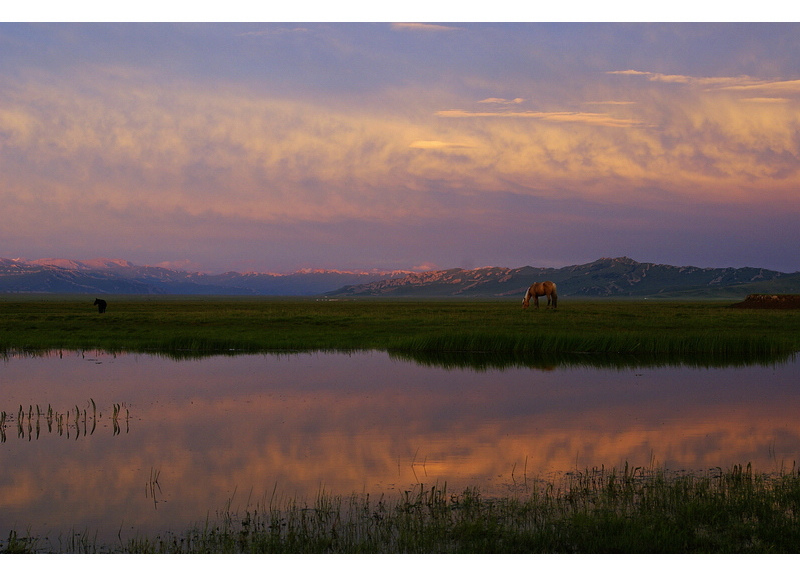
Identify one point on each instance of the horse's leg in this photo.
(536, 301)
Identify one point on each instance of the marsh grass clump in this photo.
(632, 510)
(32, 422)
(17, 544)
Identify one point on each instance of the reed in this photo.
(71, 424)
(632, 510)
(153, 487)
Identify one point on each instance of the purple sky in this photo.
(275, 146)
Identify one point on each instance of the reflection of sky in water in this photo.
(352, 423)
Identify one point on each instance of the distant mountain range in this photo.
(606, 277)
(111, 276)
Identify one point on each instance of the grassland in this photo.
(642, 331)
(594, 511)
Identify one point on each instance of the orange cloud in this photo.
(580, 117)
(437, 144)
(501, 101)
(685, 79)
(786, 86)
(125, 144)
(420, 27)
(735, 83)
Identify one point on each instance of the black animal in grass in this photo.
(101, 305)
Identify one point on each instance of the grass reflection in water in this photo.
(479, 361)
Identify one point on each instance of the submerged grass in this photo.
(633, 510)
(671, 330)
(33, 422)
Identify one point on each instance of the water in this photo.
(195, 437)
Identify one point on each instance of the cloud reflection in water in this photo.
(363, 422)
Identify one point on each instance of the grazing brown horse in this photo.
(541, 289)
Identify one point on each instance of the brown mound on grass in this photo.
(757, 301)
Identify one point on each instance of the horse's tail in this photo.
(555, 296)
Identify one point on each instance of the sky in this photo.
(278, 146)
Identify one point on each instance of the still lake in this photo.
(195, 437)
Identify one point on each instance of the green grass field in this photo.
(642, 331)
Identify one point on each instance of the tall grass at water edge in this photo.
(631, 344)
(632, 510)
(595, 511)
